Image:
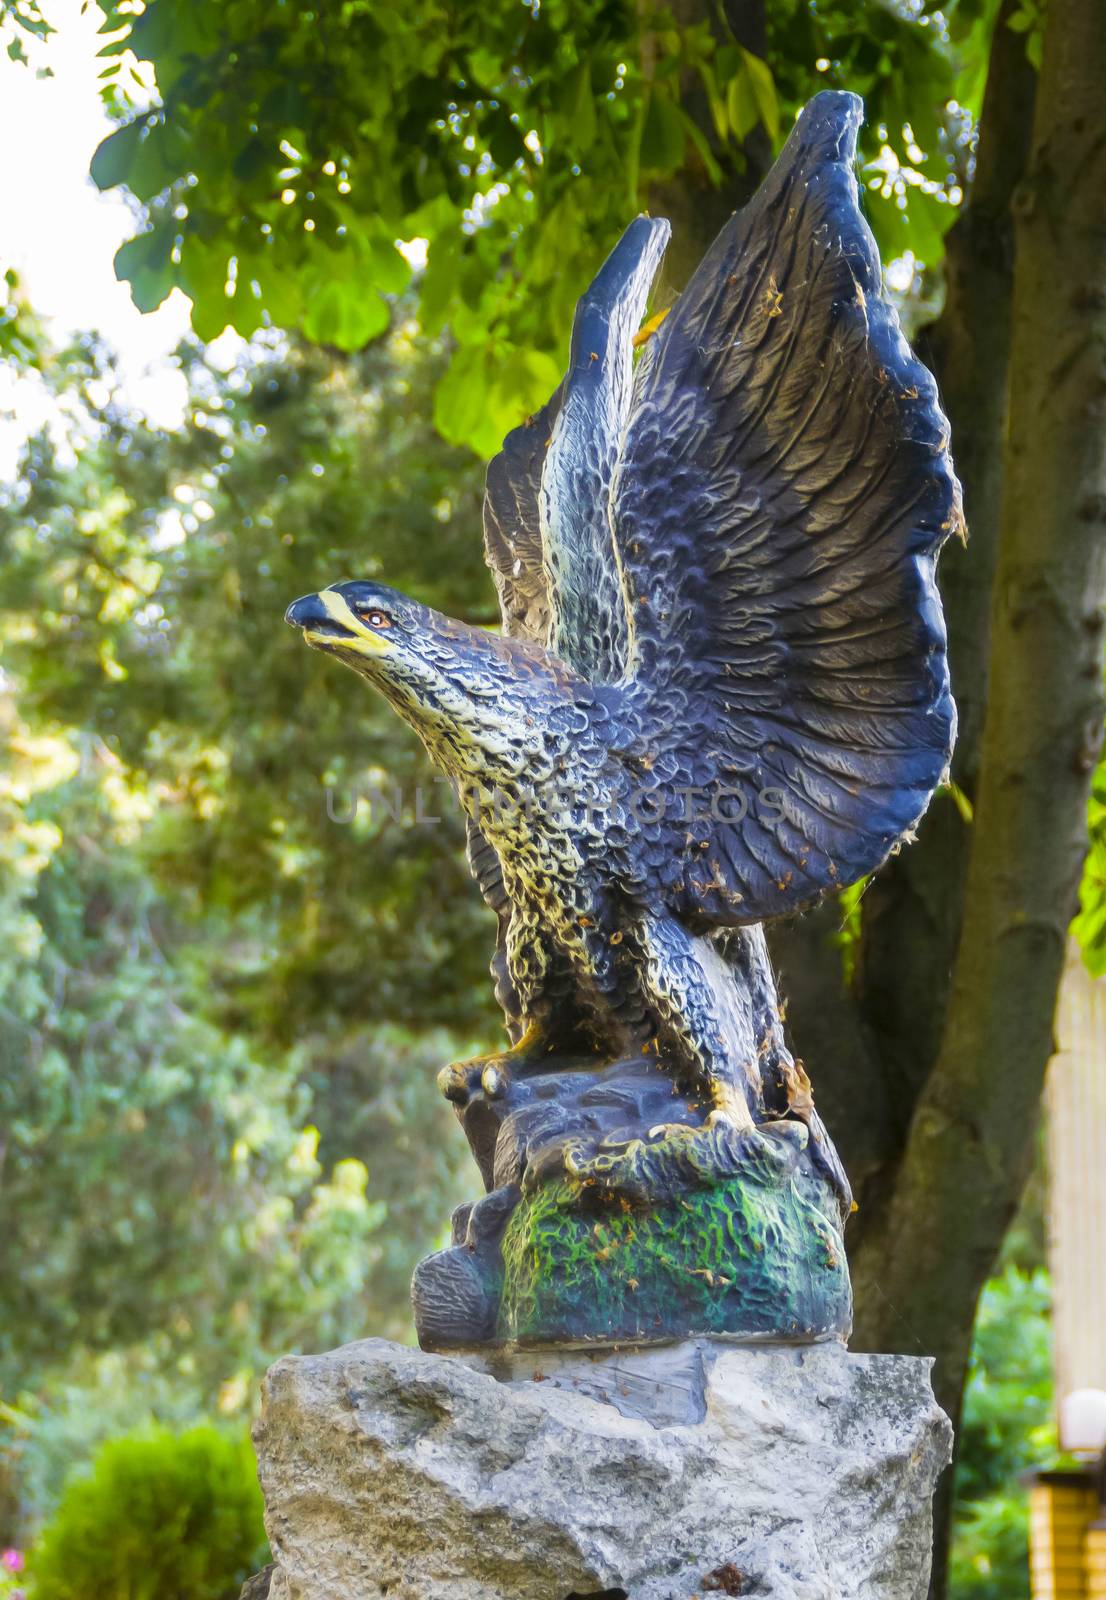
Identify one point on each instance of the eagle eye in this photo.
(374, 617)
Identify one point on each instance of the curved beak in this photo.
(306, 611)
(331, 624)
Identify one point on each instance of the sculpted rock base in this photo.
(658, 1474)
(618, 1211)
(757, 1256)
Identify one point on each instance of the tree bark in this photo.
(912, 913)
(971, 1138)
(699, 209)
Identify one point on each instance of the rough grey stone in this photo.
(661, 1384)
(802, 1474)
(257, 1587)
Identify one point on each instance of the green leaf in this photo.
(714, 100)
(212, 317)
(468, 324)
(920, 227)
(390, 272)
(585, 122)
(153, 32)
(764, 92)
(281, 296)
(325, 318)
(505, 142)
(255, 155)
(485, 393)
(144, 262)
(150, 171)
(439, 286)
(203, 277)
(244, 308)
(460, 400)
(112, 159)
(346, 315)
(662, 134)
(701, 143)
(523, 383)
(741, 106)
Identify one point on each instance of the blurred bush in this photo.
(225, 1000)
(1007, 1428)
(161, 1515)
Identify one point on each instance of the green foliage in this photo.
(1029, 19)
(1006, 1429)
(25, 17)
(21, 336)
(83, 1398)
(224, 1010)
(145, 587)
(112, 1075)
(290, 149)
(159, 1516)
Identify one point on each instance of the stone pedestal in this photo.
(658, 1474)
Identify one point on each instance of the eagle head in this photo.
(478, 701)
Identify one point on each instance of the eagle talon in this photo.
(460, 1081)
(491, 1075)
(723, 1119)
(730, 1107)
(494, 1081)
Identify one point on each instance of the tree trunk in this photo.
(971, 1139)
(912, 913)
(696, 208)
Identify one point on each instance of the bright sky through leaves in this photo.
(60, 233)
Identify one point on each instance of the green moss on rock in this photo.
(746, 1256)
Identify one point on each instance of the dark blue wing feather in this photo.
(784, 488)
(589, 628)
(512, 527)
(547, 531)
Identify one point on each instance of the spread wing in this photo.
(783, 491)
(589, 625)
(512, 529)
(547, 530)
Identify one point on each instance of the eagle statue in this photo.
(721, 690)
